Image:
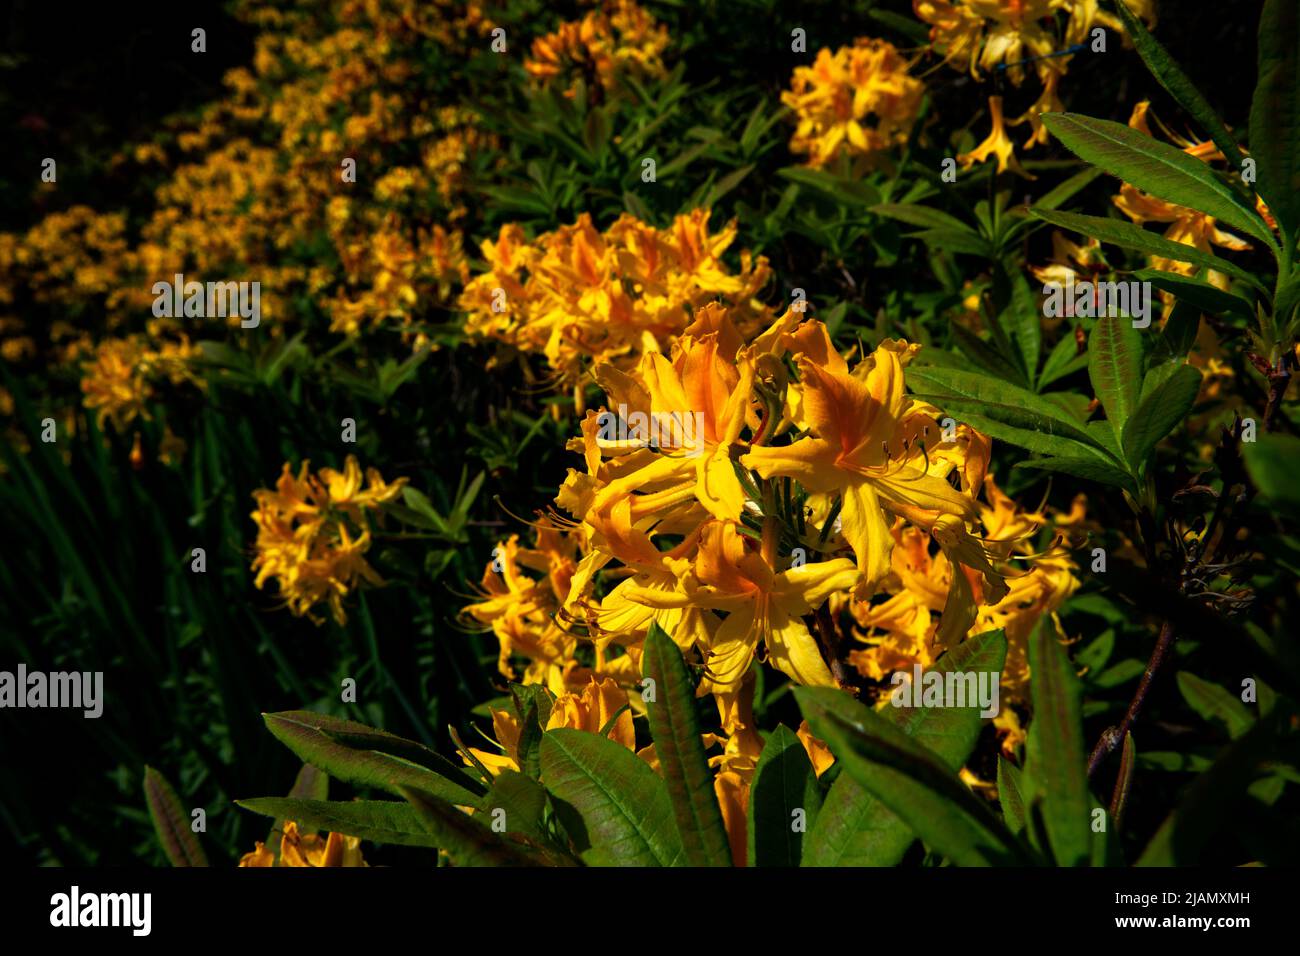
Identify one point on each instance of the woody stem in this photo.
(1114, 736)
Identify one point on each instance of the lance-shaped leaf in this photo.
(382, 821)
(1023, 417)
(1091, 469)
(312, 783)
(336, 746)
(1275, 113)
(675, 727)
(614, 806)
(1124, 782)
(1115, 366)
(1128, 235)
(171, 821)
(853, 827)
(1056, 776)
(1216, 704)
(909, 779)
(1171, 76)
(465, 840)
(1198, 293)
(1155, 167)
(1168, 394)
(924, 216)
(1023, 320)
(1009, 795)
(783, 801)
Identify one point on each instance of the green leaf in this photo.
(784, 782)
(725, 185)
(1157, 168)
(852, 192)
(381, 821)
(1013, 804)
(1023, 322)
(1068, 189)
(1273, 461)
(1115, 366)
(620, 811)
(465, 840)
(1063, 360)
(1178, 336)
(924, 216)
(909, 779)
(853, 828)
(522, 800)
(1198, 293)
(1275, 113)
(985, 356)
(972, 394)
(171, 821)
(1124, 780)
(1130, 236)
(675, 727)
(1089, 469)
(1168, 395)
(1215, 704)
(951, 240)
(346, 750)
(1056, 775)
(311, 783)
(1171, 76)
(419, 503)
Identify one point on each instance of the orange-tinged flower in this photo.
(765, 608)
(308, 850)
(857, 448)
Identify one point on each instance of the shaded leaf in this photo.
(171, 821)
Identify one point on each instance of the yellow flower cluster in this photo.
(621, 38)
(748, 494)
(858, 100)
(117, 375)
(252, 189)
(299, 849)
(580, 296)
(985, 35)
(313, 533)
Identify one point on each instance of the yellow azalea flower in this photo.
(579, 296)
(857, 449)
(590, 710)
(303, 537)
(901, 631)
(520, 611)
(706, 393)
(622, 37)
(818, 753)
(765, 607)
(858, 100)
(732, 792)
(302, 850)
(998, 145)
(741, 743)
(114, 385)
(593, 709)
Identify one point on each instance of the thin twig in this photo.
(1114, 736)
